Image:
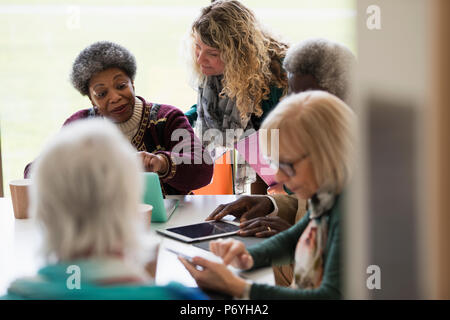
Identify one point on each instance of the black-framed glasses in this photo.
(286, 167)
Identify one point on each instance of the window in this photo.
(38, 43)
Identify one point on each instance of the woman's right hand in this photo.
(232, 252)
(153, 162)
(245, 208)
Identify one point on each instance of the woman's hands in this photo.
(216, 276)
(262, 227)
(232, 252)
(245, 208)
(154, 162)
(253, 211)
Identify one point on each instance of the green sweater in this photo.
(280, 249)
(266, 105)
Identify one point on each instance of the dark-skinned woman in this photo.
(105, 71)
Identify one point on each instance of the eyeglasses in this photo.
(285, 167)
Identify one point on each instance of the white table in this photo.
(20, 241)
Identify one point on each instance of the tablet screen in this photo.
(205, 229)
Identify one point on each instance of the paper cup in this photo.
(145, 210)
(19, 196)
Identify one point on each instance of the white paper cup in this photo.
(145, 211)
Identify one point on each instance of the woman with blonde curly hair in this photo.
(239, 73)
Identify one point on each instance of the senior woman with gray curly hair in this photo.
(85, 194)
(315, 164)
(105, 72)
(320, 64)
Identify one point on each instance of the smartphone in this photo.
(185, 257)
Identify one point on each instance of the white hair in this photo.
(330, 63)
(86, 191)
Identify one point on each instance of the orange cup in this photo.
(19, 196)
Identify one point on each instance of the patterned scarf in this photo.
(221, 113)
(308, 270)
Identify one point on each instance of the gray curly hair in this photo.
(97, 57)
(331, 63)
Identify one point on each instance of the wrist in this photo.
(271, 205)
(171, 166)
(247, 290)
(164, 164)
(239, 288)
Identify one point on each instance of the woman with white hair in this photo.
(85, 194)
(316, 132)
(105, 72)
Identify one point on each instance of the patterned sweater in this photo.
(190, 166)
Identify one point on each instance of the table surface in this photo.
(21, 240)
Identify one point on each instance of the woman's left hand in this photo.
(215, 276)
(262, 227)
(153, 162)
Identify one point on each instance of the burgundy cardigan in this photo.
(154, 135)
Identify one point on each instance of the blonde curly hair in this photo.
(252, 57)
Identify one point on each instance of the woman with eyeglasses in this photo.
(316, 138)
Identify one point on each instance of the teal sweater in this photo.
(50, 283)
(280, 249)
(266, 105)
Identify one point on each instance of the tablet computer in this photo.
(201, 231)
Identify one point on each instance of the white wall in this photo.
(386, 217)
